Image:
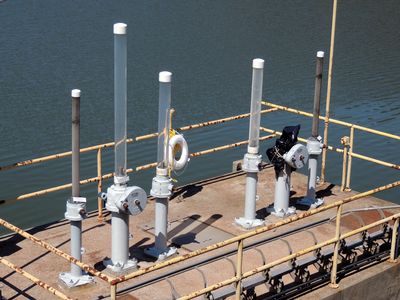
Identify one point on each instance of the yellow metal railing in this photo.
(347, 142)
(239, 240)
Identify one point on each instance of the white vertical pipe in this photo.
(255, 110)
(161, 223)
(252, 160)
(282, 190)
(312, 176)
(120, 97)
(164, 118)
(119, 239)
(161, 209)
(120, 221)
(251, 194)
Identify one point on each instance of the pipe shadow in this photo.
(138, 250)
(190, 237)
(18, 291)
(39, 257)
(186, 191)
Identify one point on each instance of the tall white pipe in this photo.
(120, 98)
(76, 205)
(314, 145)
(76, 226)
(252, 160)
(255, 109)
(164, 119)
(161, 185)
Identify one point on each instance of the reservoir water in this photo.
(48, 48)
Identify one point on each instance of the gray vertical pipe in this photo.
(76, 226)
(317, 93)
(313, 158)
(250, 196)
(161, 224)
(119, 239)
(282, 190)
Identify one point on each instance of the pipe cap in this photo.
(165, 76)
(76, 93)
(120, 28)
(320, 54)
(258, 63)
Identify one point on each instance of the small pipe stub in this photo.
(75, 93)
(320, 54)
(165, 76)
(120, 28)
(258, 63)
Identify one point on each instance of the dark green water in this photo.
(48, 48)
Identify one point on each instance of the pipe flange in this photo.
(314, 146)
(161, 187)
(76, 209)
(251, 163)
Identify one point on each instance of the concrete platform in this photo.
(201, 214)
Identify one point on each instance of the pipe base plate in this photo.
(281, 213)
(249, 223)
(311, 203)
(72, 281)
(120, 267)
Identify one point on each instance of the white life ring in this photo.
(177, 165)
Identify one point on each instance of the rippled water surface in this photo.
(49, 47)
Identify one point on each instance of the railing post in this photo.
(100, 216)
(239, 270)
(336, 249)
(328, 90)
(393, 257)
(349, 159)
(345, 142)
(113, 292)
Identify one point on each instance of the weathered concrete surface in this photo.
(211, 203)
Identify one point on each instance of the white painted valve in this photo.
(297, 156)
(131, 200)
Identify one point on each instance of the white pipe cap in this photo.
(258, 63)
(165, 76)
(76, 93)
(320, 54)
(120, 28)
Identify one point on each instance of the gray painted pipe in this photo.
(312, 176)
(119, 238)
(251, 193)
(313, 159)
(76, 226)
(282, 190)
(161, 224)
(317, 93)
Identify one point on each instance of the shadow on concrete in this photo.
(186, 191)
(190, 237)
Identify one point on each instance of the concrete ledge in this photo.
(381, 281)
